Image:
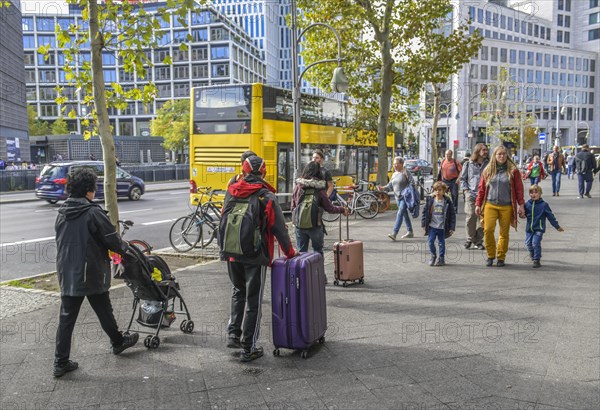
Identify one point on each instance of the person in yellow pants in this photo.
(500, 200)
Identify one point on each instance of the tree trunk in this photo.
(106, 138)
(433, 142)
(387, 81)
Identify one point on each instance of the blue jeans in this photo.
(315, 235)
(569, 171)
(535, 180)
(585, 183)
(402, 214)
(439, 234)
(453, 188)
(555, 181)
(533, 242)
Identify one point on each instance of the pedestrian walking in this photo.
(556, 166)
(308, 201)
(84, 235)
(585, 166)
(449, 172)
(319, 158)
(401, 179)
(439, 221)
(251, 220)
(499, 200)
(570, 167)
(536, 212)
(469, 181)
(535, 171)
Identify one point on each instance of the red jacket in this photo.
(516, 195)
(530, 167)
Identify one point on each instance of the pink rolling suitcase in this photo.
(299, 311)
(348, 259)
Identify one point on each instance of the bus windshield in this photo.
(222, 110)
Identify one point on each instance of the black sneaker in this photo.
(440, 262)
(500, 263)
(489, 262)
(249, 355)
(61, 369)
(536, 264)
(588, 195)
(128, 341)
(234, 342)
(467, 244)
(480, 247)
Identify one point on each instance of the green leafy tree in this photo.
(172, 122)
(35, 124)
(127, 28)
(59, 127)
(504, 110)
(391, 51)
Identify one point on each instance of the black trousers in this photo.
(246, 300)
(69, 310)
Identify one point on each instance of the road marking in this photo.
(136, 210)
(179, 193)
(28, 241)
(45, 210)
(157, 222)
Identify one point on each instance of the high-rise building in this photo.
(550, 49)
(14, 140)
(220, 52)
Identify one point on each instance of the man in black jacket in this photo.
(84, 234)
(585, 166)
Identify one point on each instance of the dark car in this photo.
(418, 165)
(51, 185)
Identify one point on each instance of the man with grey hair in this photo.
(469, 182)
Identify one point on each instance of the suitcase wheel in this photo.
(321, 340)
(361, 281)
(345, 284)
(276, 352)
(304, 354)
(336, 282)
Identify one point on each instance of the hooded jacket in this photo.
(271, 217)
(536, 213)
(320, 187)
(449, 216)
(84, 234)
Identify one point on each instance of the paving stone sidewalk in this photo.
(412, 337)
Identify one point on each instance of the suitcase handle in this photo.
(347, 228)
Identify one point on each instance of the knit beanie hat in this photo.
(254, 165)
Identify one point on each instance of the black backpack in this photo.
(306, 214)
(241, 227)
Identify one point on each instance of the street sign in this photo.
(542, 138)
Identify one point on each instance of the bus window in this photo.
(222, 110)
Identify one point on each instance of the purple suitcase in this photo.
(299, 311)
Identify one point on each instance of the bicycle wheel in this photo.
(327, 217)
(367, 205)
(384, 201)
(208, 232)
(143, 246)
(185, 233)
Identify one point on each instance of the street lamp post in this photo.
(587, 135)
(558, 114)
(339, 82)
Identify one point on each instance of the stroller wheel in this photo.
(189, 326)
(183, 325)
(154, 342)
(147, 342)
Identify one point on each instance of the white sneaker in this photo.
(392, 236)
(408, 234)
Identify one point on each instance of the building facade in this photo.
(14, 141)
(220, 52)
(550, 49)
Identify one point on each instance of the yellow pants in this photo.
(491, 214)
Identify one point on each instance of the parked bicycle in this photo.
(382, 197)
(142, 245)
(423, 190)
(199, 228)
(364, 204)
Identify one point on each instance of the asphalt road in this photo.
(27, 245)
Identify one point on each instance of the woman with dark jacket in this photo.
(308, 201)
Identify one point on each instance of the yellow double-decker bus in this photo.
(227, 120)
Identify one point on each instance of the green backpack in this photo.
(306, 214)
(240, 229)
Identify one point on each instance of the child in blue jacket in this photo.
(536, 212)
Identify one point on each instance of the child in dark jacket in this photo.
(439, 221)
(536, 212)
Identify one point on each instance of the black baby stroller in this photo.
(156, 299)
